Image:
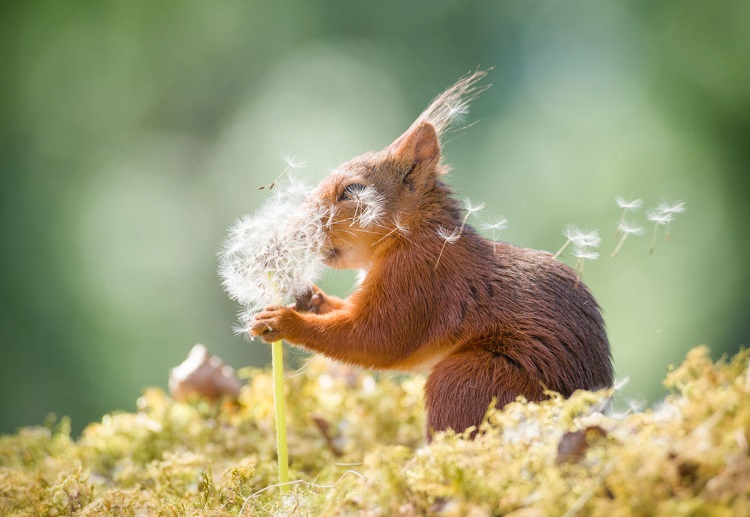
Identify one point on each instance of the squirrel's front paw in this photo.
(274, 323)
(314, 300)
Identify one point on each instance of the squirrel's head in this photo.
(376, 198)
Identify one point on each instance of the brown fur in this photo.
(490, 321)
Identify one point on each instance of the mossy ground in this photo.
(356, 447)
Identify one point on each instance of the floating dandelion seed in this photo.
(626, 205)
(369, 209)
(633, 204)
(626, 229)
(398, 227)
(579, 238)
(659, 219)
(583, 242)
(293, 163)
(448, 238)
(588, 239)
(456, 114)
(583, 254)
(470, 209)
(499, 225)
(665, 208)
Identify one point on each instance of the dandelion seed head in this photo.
(655, 216)
(448, 236)
(632, 204)
(675, 208)
(629, 229)
(275, 254)
(499, 224)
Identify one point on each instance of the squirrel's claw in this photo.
(273, 324)
(313, 300)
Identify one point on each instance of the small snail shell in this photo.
(203, 375)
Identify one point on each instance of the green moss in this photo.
(356, 445)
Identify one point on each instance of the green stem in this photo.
(279, 406)
(277, 360)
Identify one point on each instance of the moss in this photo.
(356, 446)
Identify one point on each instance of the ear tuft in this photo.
(418, 145)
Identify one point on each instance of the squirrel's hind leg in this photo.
(461, 387)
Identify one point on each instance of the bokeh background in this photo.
(134, 133)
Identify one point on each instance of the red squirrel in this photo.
(486, 320)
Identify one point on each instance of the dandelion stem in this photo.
(579, 269)
(666, 238)
(279, 406)
(277, 360)
(554, 257)
(653, 238)
(463, 223)
(441, 254)
(619, 244)
(622, 220)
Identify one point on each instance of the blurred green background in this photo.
(134, 133)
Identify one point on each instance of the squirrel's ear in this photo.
(419, 146)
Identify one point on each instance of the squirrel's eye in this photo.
(351, 190)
